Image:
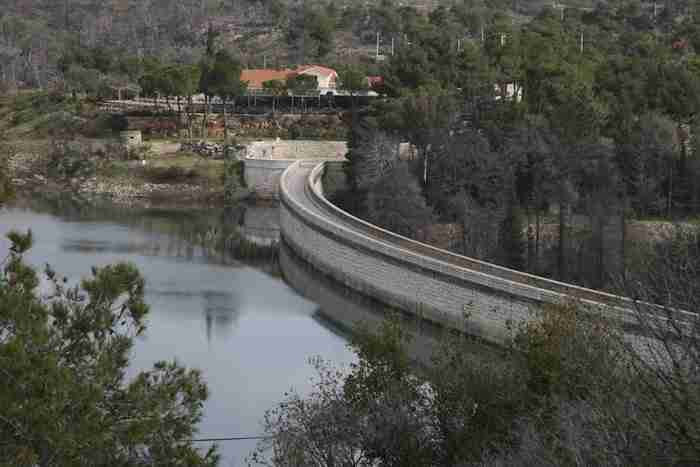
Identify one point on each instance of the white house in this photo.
(327, 78)
(511, 91)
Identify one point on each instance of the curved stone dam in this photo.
(480, 298)
(267, 160)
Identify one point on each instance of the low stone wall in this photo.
(213, 150)
(297, 149)
(484, 304)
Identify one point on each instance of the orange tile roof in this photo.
(319, 68)
(256, 78)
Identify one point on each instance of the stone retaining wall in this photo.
(297, 149)
(481, 304)
(262, 176)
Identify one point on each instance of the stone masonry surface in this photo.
(481, 304)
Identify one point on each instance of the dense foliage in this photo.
(542, 139)
(571, 391)
(65, 397)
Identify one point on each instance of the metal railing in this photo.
(622, 305)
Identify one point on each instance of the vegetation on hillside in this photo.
(540, 131)
(541, 139)
(103, 47)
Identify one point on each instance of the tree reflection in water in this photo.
(245, 233)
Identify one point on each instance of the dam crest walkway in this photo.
(429, 282)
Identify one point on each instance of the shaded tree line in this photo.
(542, 144)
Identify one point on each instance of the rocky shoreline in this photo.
(28, 174)
(128, 193)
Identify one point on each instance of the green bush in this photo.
(569, 351)
(233, 180)
(28, 107)
(70, 161)
(171, 175)
(5, 186)
(106, 124)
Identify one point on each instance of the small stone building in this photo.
(131, 138)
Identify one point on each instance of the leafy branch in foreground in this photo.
(63, 360)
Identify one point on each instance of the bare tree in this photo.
(667, 298)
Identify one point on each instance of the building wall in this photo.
(131, 138)
(262, 176)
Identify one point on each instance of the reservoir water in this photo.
(248, 331)
(245, 323)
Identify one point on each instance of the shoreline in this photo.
(29, 177)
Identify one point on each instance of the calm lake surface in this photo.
(249, 332)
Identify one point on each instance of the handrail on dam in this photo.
(456, 259)
(523, 285)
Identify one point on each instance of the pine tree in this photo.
(64, 397)
(511, 237)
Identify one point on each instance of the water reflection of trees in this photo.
(221, 313)
(216, 235)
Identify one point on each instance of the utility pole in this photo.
(377, 45)
(483, 36)
(581, 41)
(66, 18)
(392, 46)
(559, 6)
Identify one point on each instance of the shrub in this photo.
(569, 350)
(5, 186)
(106, 124)
(136, 153)
(172, 175)
(233, 180)
(70, 160)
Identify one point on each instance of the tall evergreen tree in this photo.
(64, 397)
